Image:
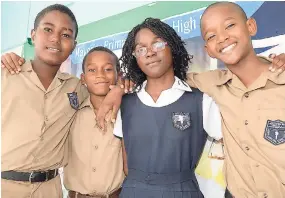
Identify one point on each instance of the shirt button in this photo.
(265, 195)
(46, 97)
(46, 118)
(247, 148)
(246, 122)
(94, 169)
(246, 95)
(96, 147)
(257, 165)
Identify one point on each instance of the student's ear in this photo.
(208, 51)
(33, 35)
(82, 78)
(251, 26)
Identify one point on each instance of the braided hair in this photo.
(180, 56)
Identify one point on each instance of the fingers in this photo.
(132, 86)
(12, 62)
(102, 129)
(21, 61)
(127, 85)
(6, 64)
(111, 103)
(272, 56)
(17, 67)
(278, 63)
(112, 86)
(121, 81)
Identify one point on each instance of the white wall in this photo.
(17, 17)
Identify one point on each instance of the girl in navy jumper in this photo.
(162, 125)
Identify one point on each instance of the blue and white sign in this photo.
(269, 16)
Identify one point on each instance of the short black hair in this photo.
(242, 12)
(180, 56)
(101, 49)
(56, 7)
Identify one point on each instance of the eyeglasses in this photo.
(155, 47)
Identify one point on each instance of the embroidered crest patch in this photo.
(73, 100)
(181, 120)
(275, 132)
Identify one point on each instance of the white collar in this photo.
(167, 96)
(178, 84)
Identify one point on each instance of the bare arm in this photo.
(125, 162)
(111, 102)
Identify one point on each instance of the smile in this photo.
(228, 48)
(53, 49)
(100, 83)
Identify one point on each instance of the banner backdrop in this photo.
(270, 37)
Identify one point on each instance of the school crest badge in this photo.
(181, 120)
(73, 100)
(275, 132)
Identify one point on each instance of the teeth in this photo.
(53, 49)
(228, 48)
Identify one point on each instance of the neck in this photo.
(96, 101)
(249, 68)
(155, 86)
(43, 70)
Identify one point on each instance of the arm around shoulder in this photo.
(206, 81)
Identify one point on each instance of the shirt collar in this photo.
(178, 84)
(227, 75)
(276, 78)
(273, 76)
(86, 103)
(27, 67)
(223, 77)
